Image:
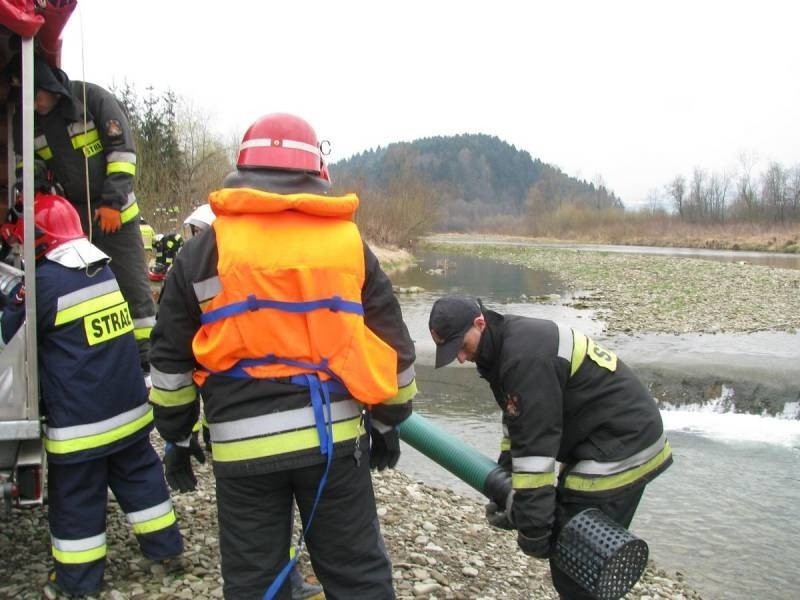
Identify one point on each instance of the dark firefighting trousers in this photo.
(621, 509)
(78, 497)
(128, 262)
(344, 543)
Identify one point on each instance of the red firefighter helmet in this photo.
(281, 141)
(55, 221)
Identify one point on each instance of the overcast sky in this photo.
(633, 91)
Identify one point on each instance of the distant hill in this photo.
(475, 180)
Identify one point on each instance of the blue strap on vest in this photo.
(334, 304)
(321, 403)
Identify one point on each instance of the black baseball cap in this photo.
(451, 318)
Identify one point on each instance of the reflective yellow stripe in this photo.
(121, 167)
(100, 439)
(84, 139)
(156, 524)
(142, 333)
(81, 557)
(527, 481)
(404, 394)
(108, 324)
(172, 398)
(83, 309)
(44, 153)
(604, 358)
(130, 213)
(505, 444)
(609, 482)
(579, 344)
(196, 427)
(281, 443)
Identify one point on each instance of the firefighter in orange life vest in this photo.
(97, 418)
(282, 316)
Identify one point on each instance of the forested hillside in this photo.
(459, 183)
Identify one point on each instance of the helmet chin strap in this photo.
(277, 182)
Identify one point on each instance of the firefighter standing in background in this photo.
(294, 327)
(166, 248)
(564, 399)
(97, 419)
(76, 134)
(147, 232)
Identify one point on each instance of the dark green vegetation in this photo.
(462, 183)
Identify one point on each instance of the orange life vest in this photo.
(291, 269)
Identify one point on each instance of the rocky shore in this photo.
(439, 543)
(649, 293)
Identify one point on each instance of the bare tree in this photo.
(746, 199)
(774, 191)
(676, 190)
(697, 206)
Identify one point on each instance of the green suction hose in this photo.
(475, 469)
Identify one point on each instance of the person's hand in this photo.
(110, 219)
(384, 451)
(178, 465)
(538, 546)
(500, 517)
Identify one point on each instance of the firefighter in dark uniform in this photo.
(97, 419)
(78, 128)
(565, 400)
(283, 318)
(166, 248)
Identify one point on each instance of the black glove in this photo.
(538, 546)
(384, 450)
(501, 517)
(178, 465)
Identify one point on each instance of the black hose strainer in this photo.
(601, 555)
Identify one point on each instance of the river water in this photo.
(724, 515)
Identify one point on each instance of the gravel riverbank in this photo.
(439, 542)
(648, 293)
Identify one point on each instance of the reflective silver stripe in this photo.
(78, 545)
(87, 293)
(130, 200)
(533, 464)
(380, 426)
(406, 376)
(128, 157)
(78, 127)
(170, 381)
(279, 421)
(79, 431)
(593, 467)
(159, 510)
(207, 289)
(39, 142)
(268, 142)
(565, 342)
(505, 430)
(144, 322)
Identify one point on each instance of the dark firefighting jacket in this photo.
(93, 396)
(567, 400)
(262, 423)
(68, 140)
